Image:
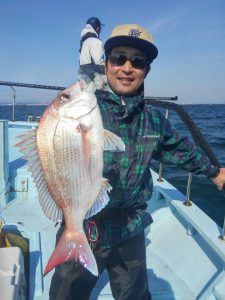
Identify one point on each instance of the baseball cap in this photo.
(132, 35)
(95, 22)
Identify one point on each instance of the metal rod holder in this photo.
(222, 237)
(167, 113)
(14, 102)
(160, 179)
(187, 202)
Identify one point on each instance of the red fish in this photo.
(65, 156)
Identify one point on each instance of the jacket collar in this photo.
(123, 106)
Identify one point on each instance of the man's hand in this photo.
(220, 179)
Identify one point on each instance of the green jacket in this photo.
(147, 135)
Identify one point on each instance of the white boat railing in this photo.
(196, 135)
(187, 202)
(13, 102)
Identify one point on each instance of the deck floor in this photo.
(30, 214)
(178, 271)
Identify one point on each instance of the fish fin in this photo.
(28, 134)
(49, 207)
(101, 201)
(28, 147)
(72, 245)
(113, 142)
(27, 144)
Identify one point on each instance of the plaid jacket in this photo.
(147, 135)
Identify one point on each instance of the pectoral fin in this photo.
(101, 201)
(113, 142)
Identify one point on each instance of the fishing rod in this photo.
(192, 127)
(60, 88)
(31, 85)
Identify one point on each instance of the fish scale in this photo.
(65, 156)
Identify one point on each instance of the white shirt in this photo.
(92, 50)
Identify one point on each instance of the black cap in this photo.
(95, 22)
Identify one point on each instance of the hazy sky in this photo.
(39, 42)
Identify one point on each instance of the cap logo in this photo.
(134, 33)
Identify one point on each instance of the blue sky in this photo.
(40, 42)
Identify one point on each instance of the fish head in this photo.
(77, 101)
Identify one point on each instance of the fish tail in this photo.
(72, 246)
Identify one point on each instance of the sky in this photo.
(39, 44)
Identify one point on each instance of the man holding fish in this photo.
(115, 229)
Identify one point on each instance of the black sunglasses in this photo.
(137, 61)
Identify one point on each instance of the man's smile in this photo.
(125, 80)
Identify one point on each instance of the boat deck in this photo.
(185, 257)
(184, 270)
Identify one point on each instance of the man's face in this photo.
(125, 77)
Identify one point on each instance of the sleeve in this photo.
(97, 51)
(182, 152)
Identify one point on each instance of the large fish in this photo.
(65, 156)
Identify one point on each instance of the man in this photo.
(117, 232)
(91, 49)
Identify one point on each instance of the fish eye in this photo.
(64, 97)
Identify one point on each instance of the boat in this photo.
(185, 247)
